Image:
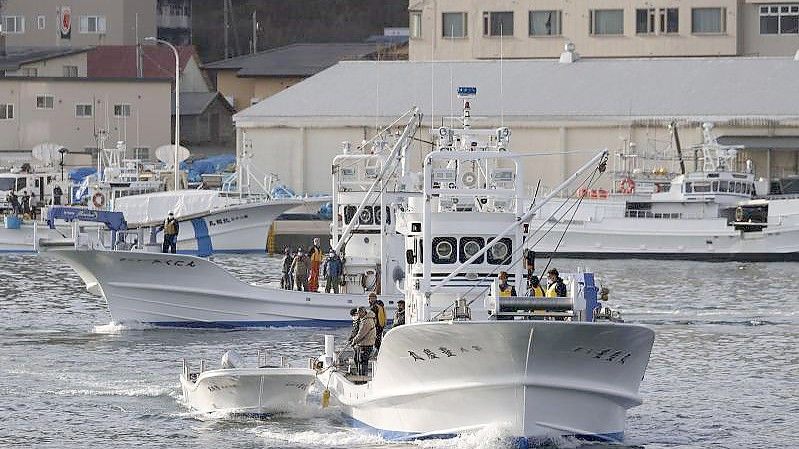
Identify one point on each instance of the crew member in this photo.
(364, 339)
(399, 315)
(171, 230)
(505, 289)
(57, 194)
(299, 267)
(379, 310)
(331, 270)
(26, 203)
(286, 281)
(13, 200)
(315, 254)
(556, 287)
(535, 287)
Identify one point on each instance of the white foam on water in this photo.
(311, 438)
(489, 437)
(148, 391)
(114, 328)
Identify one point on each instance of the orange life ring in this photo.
(98, 199)
(627, 186)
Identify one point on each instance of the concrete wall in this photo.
(742, 36)
(120, 18)
(302, 156)
(147, 126)
(244, 89)
(192, 78)
(55, 67)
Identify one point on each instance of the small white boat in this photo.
(265, 389)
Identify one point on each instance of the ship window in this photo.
(723, 186)
(469, 247)
(349, 213)
(715, 186)
(499, 254)
(701, 187)
(6, 183)
(444, 249)
(689, 187)
(22, 183)
(737, 187)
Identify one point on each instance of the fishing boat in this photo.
(370, 184)
(470, 355)
(714, 213)
(235, 389)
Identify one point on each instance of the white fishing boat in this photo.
(187, 291)
(715, 213)
(471, 357)
(234, 389)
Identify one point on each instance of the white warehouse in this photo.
(566, 109)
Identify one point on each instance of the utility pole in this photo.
(254, 32)
(226, 22)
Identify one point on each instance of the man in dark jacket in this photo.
(399, 315)
(331, 270)
(171, 230)
(286, 281)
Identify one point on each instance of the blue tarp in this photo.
(213, 164)
(77, 175)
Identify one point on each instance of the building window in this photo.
(40, 22)
(669, 20)
(454, 24)
(83, 110)
(608, 22)
(645, 21)
(141, 153)
(779, 19)
(92, 24)
(14, 24)
(416, 24)
(44, 102)
(708, 20)
(70, 71)
(545, 23)
(121, 110)
(6, 111)
(498, 23)
(29, 71)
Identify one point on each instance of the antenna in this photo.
(501, 91)
(451, 85)
(432, 77)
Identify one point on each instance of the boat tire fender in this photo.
(98, 199)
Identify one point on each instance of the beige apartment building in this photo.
(71, 111)
(92, 22)
(490, 29)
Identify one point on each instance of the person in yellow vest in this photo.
(315, 254)
(505, 289)
(556, 288)
(535, 287)
(171, 230)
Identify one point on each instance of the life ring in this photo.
(98, 199)
(627, 186)
(369, 280)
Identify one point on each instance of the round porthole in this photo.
(444, 250)
(471, 248)
(499, 251)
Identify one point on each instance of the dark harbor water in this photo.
(724, 371)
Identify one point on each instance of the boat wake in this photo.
(114, 328)
(148, 391)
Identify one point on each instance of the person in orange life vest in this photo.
(315, 254)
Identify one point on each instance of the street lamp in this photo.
(177, 99)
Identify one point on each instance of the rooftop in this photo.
(18, 56)
(544, 90)
(195, 103)
(158, 61)
(294, 60)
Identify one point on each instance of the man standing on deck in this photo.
(286, 281)
(316, 261)
(379, 311)
(364, 340)
(300, 269)
(13, 200)
(331, 271)
(171, 230)
(57, 194)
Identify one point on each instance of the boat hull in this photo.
(537, 379)
(173, 290)
(248, 390)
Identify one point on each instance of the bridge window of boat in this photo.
(444, 249)
(714, 186)
(500, 253)
(469, 246)
(724, 186)
(701, 187)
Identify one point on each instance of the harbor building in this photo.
(564, 111)
(71, 111)
(490, 29)
(75, 23)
